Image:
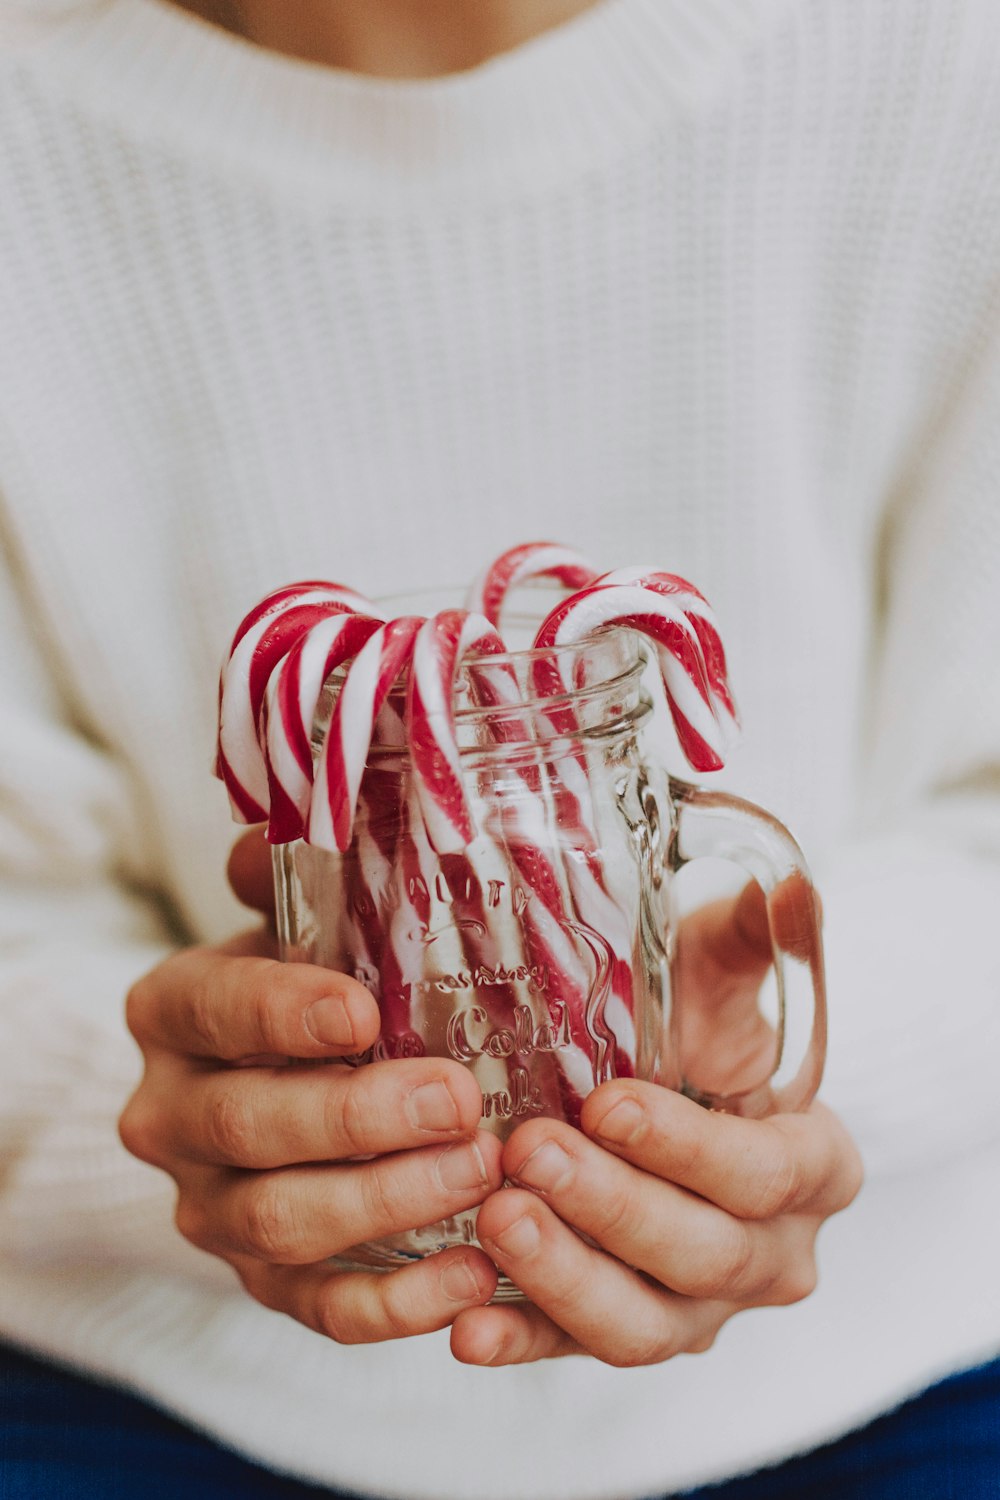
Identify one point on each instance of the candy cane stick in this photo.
(678, 648)
(438, 652)
(365, 688)
(292, 697)
(264, 636)
(488, 594)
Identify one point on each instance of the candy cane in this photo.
(488, 594)
(365, 688)
(290, 594)
(442, 644)
(292, 697)
(702, 617)
(263, 638)
(678, 648)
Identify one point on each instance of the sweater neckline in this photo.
(553, 105)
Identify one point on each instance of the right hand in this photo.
(266, 1155)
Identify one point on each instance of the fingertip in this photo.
(481, 1336)
(467, 1278)
(248, 870)
(614, 1112)
(345, 1016)
(531, 1134)
(491, 1152)
(465, 1091)
(511, 1209)
(362, 1007)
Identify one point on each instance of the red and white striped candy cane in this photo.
(488, 594)
(366, 685)
(679, 652)
(441, 646)
(278, 600)
(702, 617)
(584, 989)
(270, 630)
(292, 697)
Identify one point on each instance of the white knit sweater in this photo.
(706, 283)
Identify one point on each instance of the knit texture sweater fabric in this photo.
(708, 284)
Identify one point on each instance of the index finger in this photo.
(250, 874)
(754, 1169)
(206, 1003)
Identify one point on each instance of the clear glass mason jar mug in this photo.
(541, 956)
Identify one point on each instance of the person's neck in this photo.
(390, 38)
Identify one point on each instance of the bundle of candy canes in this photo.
(397, 681)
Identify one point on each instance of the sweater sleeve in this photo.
(912, 902)
(75, 930)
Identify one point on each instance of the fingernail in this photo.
(548, 1167)
(461, 1168)
(458, 1282)
(431, 1107)
(519, 1239)
(622, 1123)
(329, 1022)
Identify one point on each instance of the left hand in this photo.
(693, 1215)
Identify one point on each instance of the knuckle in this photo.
(727, 1266)
(191, 1220)
(139, 1003)
(139, 1130)
(334, 1318)
(703, 1342)
(646, 1349)
(203, 1018)
(379, 1198)
(687, 1147)
(269, 1227)
(256, 1281)
(267, 996)
(780, 1186)
(617, 1215)
(348, 1119)
(797, 1282)
(396, 1308)
(852, 1176)
(230, 1130)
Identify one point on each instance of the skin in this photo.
(389, 38)
(694, 1215)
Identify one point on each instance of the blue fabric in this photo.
(63, 1437)
(67, 1438)
(943, 1445)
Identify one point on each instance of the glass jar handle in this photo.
(719, 826)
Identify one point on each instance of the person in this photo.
(370, 291)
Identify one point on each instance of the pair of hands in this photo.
(689, 1216)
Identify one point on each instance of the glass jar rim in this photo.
(429, 601)
(608, 699)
